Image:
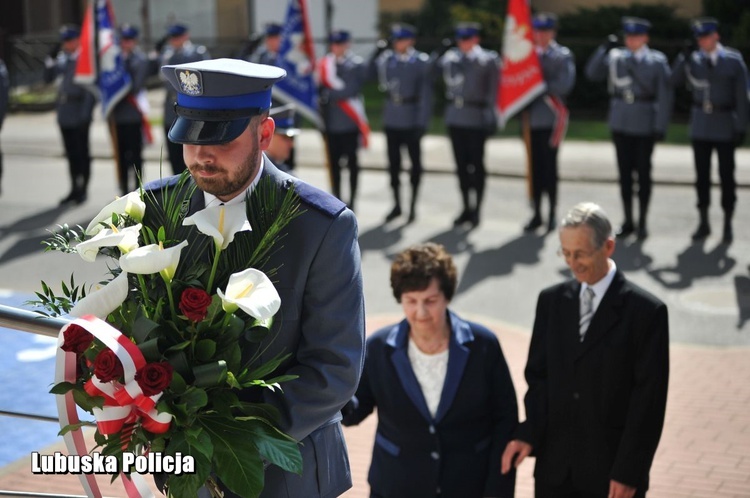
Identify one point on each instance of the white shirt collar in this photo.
(211, 200)
(714, 55)
(600, 287)
(640, 54)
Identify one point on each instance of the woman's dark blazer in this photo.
(456, 453)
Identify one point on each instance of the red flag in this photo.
(521, 78)
(86, 65)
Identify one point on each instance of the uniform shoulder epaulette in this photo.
(318, 199)
(159, 184)
(564, 50)
(659, 56)
(733, 53)
(424, 57)
(200, 49)
(356, 59)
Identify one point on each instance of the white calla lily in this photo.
(131, 204)
(153, 258)
(220, 223)
(253, 292)
(105, 300)
(126, 239)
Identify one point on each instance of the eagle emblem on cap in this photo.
(190, 82)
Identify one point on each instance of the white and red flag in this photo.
(352, 107)
(521, 79)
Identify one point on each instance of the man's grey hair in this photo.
(591, 215)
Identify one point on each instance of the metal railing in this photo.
(28, 321)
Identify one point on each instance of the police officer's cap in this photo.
(128, 32)
(467, 29)
(217, 98)
(544, 21)
(704, 26)
(177, 30)
(69, 32)
(400, 31)
(339, 36)
(284, 118)
(273, 29)
(635, 26)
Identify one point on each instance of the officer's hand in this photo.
(739, 138)
(515, 453)
(54, 50)
(380, 47)
(445, 45)
(159, 45)
(688, 47)
(611, 42)
(659, 136)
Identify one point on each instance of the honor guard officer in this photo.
(640, 106)
(404, 74)
(269, 52)
(180, 50)
(222, 108)
(129, 114)
(283, 136)
(471, 76)
(341, 76)
(717, 77)
(75, 106)
(548, 115)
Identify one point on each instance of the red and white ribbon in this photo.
(352, 107)
(124, 404)
(561, 119)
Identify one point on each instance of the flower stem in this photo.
(144, 290)
(209, 287)
(171, 299)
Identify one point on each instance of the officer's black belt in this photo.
(216, 114)
(715, 108)
(647, 100)
(468, 103)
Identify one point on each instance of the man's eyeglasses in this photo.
(576, 255)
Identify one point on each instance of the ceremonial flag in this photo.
(352, 107)
(521, 79)
(100, 62)
(297, 57)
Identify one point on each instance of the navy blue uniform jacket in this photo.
(458, 451)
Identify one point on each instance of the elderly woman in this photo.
(445, 399)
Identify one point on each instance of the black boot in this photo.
(552, 221)
(465, 215)
(704, 229)
(627, 226)
(396, 211)
(413, 204)
(536, 220)
(728, 235)
(642, 232)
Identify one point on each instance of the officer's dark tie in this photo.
(587, 311)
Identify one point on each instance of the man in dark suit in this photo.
(597, 372)
(223, 123)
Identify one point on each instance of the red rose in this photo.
(194, 303)
(153, 378)
(107, 366)
(76, 339)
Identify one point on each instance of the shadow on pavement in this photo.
(629, 256)
(380, 237)
(41, 219)
(31, 225)
(742, 290)
(454, 240)
(692, 263)
(523, 250)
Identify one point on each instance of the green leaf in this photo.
(205, 349)
(201, 449)
(87, 402)
(62, 388)
(195, 398)
(162, 235)
(266, 368)
(210, 374)
(142, 328)
(72, 427)
(178, 384)
(275, 446)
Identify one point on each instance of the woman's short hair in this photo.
(590, 215)
(414, 268)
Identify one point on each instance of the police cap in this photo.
(399, 31)
(284, 118)
(704, 26)
(273, 29)
(544, 21)
(176, 30)
(216, 98)
(128, 32)
(69, 32)
(635, 26)
(467, 29)
(339, 36)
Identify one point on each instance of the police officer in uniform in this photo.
(269, 52)
(403, 73)
(4, 97)
(640, 106)
(282, 143)
(128, 114)
(341, 76)
(179, 50)
(75, 106)
(717, 77)
(471, 77)
(548, 115)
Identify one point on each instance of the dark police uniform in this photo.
(186, 53)
(128, 117)
(284, 117)
(4, 96)
(548, 119)
(321, 320)
(718, 118)
(407, 81)
(75, 106)
(639, 110)
(471, 81)
(339, 108)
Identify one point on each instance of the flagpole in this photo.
(526, 134)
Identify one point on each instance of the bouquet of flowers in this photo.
(163, 349)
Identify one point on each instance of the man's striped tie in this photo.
(587, 311)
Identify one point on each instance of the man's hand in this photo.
(514, 454)
(620, 490)
(688, 47)
(445, 45)
(380, 47)
(612, 42)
